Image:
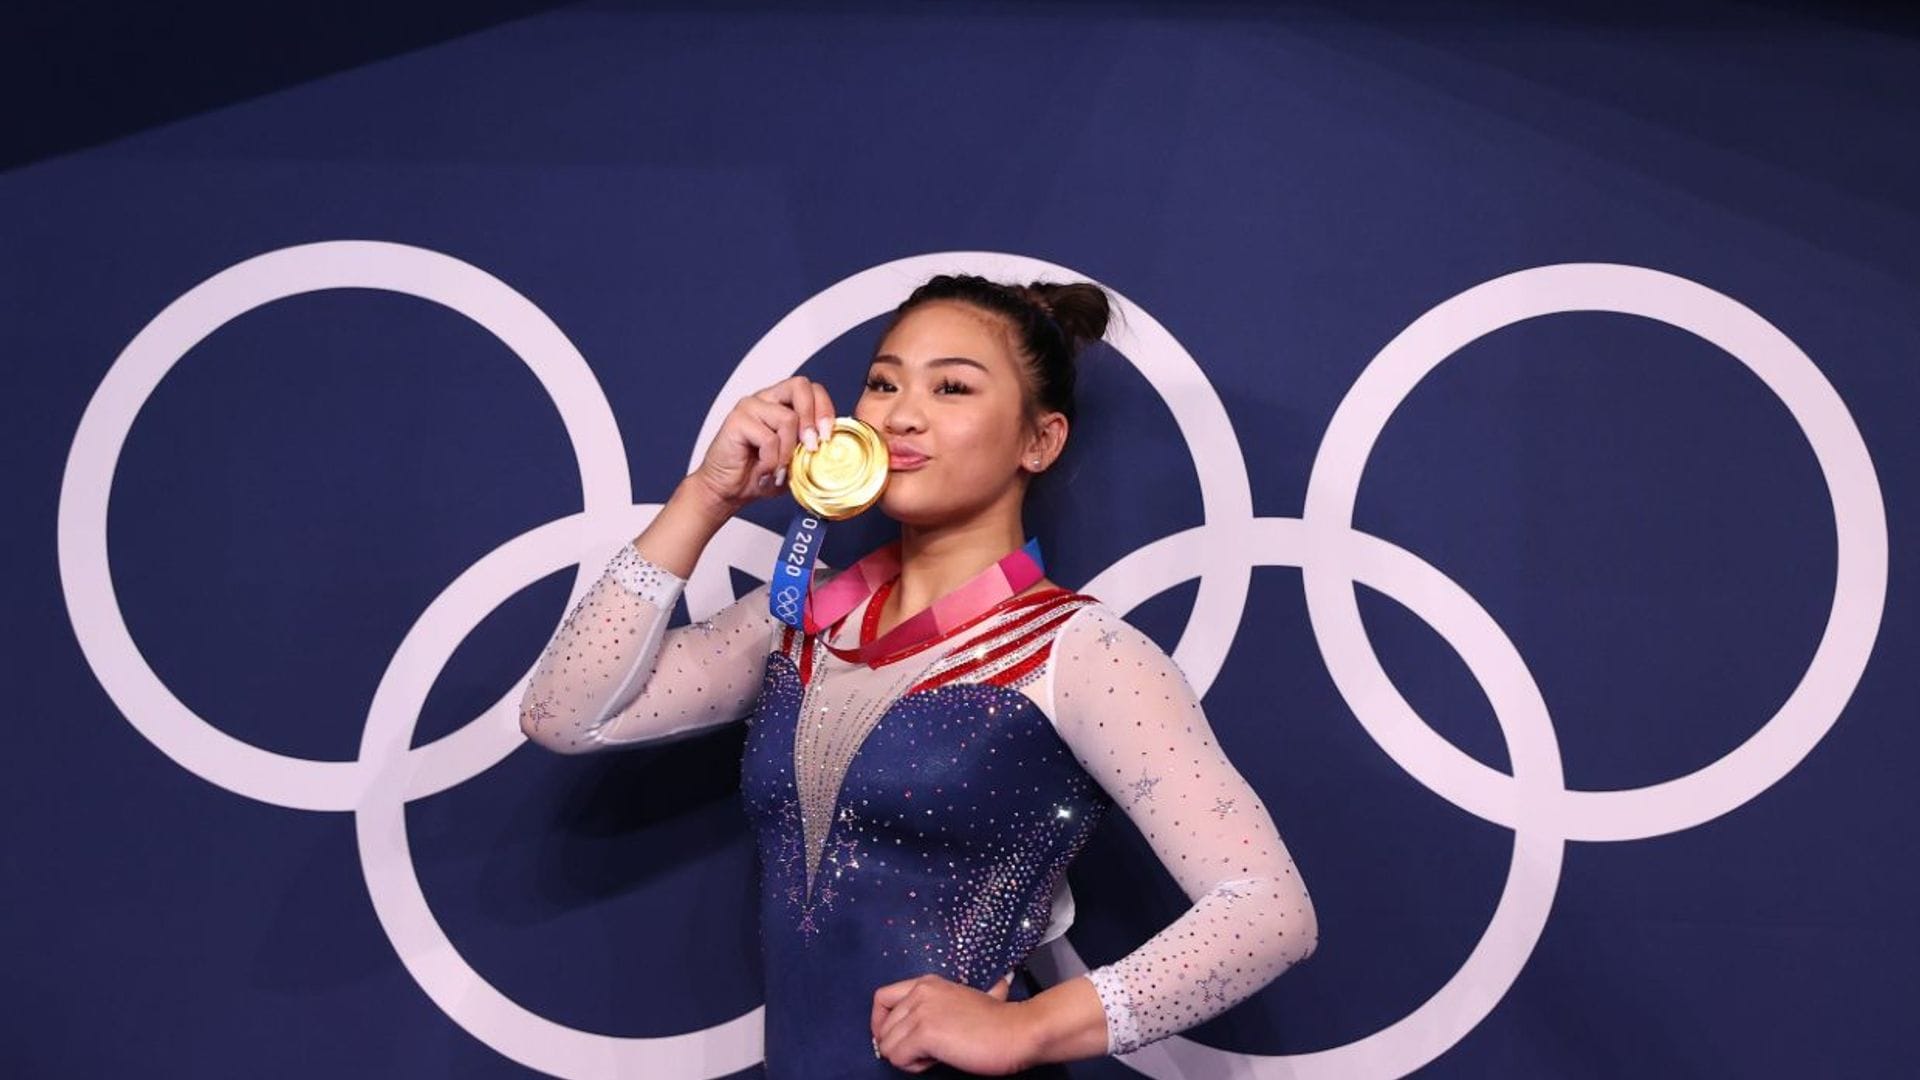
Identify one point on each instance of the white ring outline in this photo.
(86, 576)
(1860, 520)
(393, 881)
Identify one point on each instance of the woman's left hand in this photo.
(928, 1020)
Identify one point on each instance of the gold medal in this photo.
(844, 476)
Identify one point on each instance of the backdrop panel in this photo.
(1527, 405)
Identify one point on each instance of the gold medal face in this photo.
(844, 476)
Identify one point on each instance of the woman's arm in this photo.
(1136, 726)
(613, 675)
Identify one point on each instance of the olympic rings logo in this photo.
(1222, 553)
(789, 600)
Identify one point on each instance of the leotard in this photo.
(919, 815)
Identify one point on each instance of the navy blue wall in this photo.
(1655, 540)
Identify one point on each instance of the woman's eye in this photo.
(876, 383)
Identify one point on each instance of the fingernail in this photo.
(810, 438)
(826, 428)
(779, 476)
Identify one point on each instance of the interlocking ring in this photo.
(789, 600)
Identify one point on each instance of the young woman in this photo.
(920, 772)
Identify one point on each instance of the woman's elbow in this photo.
(543, 728)
(1309, 935)
(1306, 932)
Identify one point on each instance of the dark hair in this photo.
(1051, 324)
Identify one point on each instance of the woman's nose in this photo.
(903, 416)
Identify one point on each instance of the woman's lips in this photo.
(904, 462)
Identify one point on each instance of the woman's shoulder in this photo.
(1050, 597)
(1073, 618)
(1036, 617)
(1094, 632)
(1048, 589)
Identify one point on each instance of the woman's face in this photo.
(946, 383)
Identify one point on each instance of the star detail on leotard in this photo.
(844, 854)
(1142, 788)
(1223, 807)
(1213, 986)
(540, 710)
(840, 859)
(1108, 635)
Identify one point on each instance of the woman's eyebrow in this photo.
(889, 358)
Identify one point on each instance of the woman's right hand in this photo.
(748, 457)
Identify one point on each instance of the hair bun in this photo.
(1081, 308)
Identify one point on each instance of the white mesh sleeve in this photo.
(613, 675)
(1135, 725)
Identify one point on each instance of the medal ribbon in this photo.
(1013, 574)
(793, 572)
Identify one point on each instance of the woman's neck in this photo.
(935, 560)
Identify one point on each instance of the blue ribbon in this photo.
(792, 576)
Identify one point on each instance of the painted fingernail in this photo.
(826, 428)
(780, 476)
(810, 438)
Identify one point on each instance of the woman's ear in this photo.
(1044, 447)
